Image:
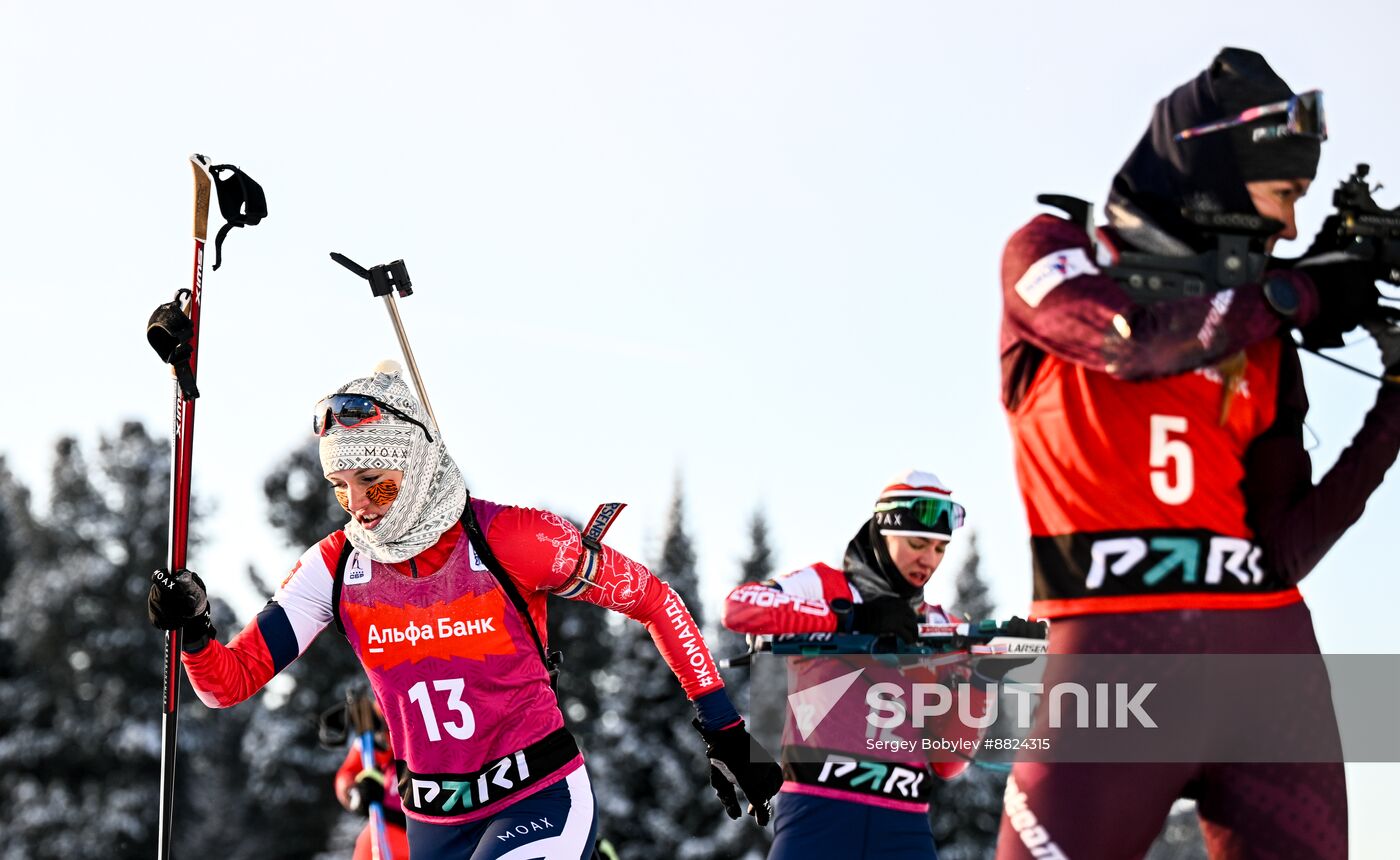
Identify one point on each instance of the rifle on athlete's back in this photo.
(1359, 230)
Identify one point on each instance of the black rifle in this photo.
(1362, 230)
(1158, 277)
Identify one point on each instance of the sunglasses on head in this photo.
(352, 410)
(1305, 119)
(929, 512)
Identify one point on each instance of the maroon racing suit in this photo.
(1159, 450)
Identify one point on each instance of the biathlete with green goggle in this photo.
(826, 808)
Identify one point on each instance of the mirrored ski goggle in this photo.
(1305, 119)
(930, 513)
(352, 410)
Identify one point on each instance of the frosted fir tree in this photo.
(743, 839)
(651, 775)
(972, 596)
(756, 566)
(965, 812)
(80, 738)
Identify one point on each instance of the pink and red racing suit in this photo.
(800, 602)
(449, 657)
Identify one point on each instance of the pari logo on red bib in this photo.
(471, 626)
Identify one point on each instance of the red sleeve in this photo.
(540, 551)
(224, 675)
(345, 776)
(797, 602)
(1055, 298)
(1295, 521)
(756, 607)
(299, 610)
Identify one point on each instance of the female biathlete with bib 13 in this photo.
(442, 598)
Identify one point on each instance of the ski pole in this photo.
(362, 716)
(383, 281)
(173, 331)
(181, 455)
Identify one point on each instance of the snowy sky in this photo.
(752, 244)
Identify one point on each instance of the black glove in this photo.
(1020, 628)
(1346, 295)
(1387, 337)
(886, 616)
(180, 602)
(368, 788)
(737, 759)
(991, 669)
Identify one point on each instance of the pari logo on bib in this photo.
(472, 626)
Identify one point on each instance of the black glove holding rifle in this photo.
(883, 616)
(991, 669)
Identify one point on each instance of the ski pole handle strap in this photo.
(170, 332)
(241, 202)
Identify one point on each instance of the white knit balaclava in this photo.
(432, 494)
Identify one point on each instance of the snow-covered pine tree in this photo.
(748, 841)
(965, 812)
(18, 533)
(79, 739)
(756, 566)
(656, 799)
(972, 596)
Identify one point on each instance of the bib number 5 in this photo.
(1173, 470)
(465, 724)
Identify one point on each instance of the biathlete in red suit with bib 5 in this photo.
(442, 598)
(1159, 450)
(840, 811)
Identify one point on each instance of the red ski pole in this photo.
(173, 331)
(181, 455)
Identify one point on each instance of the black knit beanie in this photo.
(1242, 79)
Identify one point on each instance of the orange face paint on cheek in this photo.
(383, 493)
(342, 495)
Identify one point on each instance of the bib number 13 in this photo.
(1173, 469)
(461, 728)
